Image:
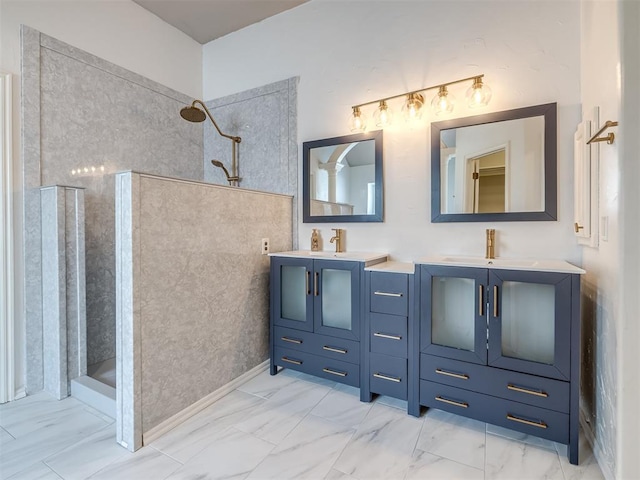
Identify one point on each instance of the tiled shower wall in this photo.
(83, 120)
(193, 296)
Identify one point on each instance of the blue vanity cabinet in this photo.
(502, 346)
(315, 317)
(389, 328)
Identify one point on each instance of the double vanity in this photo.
(495, 340)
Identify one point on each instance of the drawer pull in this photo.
(291, 340)
(390, 337)
(539, 424)
(334, 372)
(387, 377)
(452, 402)
(289, 360)
(537, 393)
(387, 294)
(335, 350)
(451, 374)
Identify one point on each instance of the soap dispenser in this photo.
(315, 240)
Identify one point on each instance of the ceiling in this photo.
(206, 20)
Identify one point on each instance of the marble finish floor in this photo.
(290, 426)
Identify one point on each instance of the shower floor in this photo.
(104, 372)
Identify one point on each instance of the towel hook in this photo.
(609, 138)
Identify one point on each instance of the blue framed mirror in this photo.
(342, 179)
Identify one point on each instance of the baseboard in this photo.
(595, 446)
(180, 417)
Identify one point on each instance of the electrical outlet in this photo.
(264, 246)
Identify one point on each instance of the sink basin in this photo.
(503, 263)
(368, 258)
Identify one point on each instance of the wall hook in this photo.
(609, 138)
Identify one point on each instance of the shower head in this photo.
(193, 114)
(218, 163)
(232, 180)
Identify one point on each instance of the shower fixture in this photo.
(194, 114)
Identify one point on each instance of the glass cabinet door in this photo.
(525, 333)
(292, 294)
(336, 298)
(453, 309)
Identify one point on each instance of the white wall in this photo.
(349, 52)
(119, 31)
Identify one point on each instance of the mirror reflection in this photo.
(343, 179)
(495, 167)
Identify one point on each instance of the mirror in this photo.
(342, 179)
(495, 167)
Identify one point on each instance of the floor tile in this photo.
(383, 445)
(392, 402)
(587, 469)
(308, 451)
(192, 436)
(342, 405)
(276, 417)
(506, 459)
(5, 436)
(38, 471)
(338, 475)
(96, 452)
(454, 437)
(145, 464)
(233, 455)
(426, 465)
(266, 385)
(520, 437)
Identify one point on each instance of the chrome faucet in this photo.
(337, 239)
(491, 241)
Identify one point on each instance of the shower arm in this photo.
(235, 140)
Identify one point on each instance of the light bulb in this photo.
(443, 102)
(412, 109)
(478, 94)
(357, 122)
(383, 115)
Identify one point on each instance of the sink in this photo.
(503, 263)
(369, 258)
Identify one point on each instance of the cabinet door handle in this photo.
(480, 300)
(308, 282)
(539, 424)
(390, 337)
(577, 227)
(495, 301)
(334, 372)
(333, 349)
(315, 284)
(537, 393)
(290, 360)
(386, 294)
(291, 340)
(461, 376)
(452, 402)
(387, 378)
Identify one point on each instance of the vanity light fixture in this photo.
(478, 95)
(443, 102)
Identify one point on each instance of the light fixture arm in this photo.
(420, 90)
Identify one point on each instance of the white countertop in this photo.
(532, 264)
(368, 258)
(392, 267)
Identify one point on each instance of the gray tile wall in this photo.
(82, 112)
(193, 291)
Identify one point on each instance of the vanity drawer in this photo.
(505, 413)
(342, 372)
(323, 345)
(388, 375)
(388, 334)
(389, 293)
(520, 387)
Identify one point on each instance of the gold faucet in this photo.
(491, 241)
(337, 239)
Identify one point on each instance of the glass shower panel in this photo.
(293, 293)
(453, 312)
(528, 321)
(336, 298)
